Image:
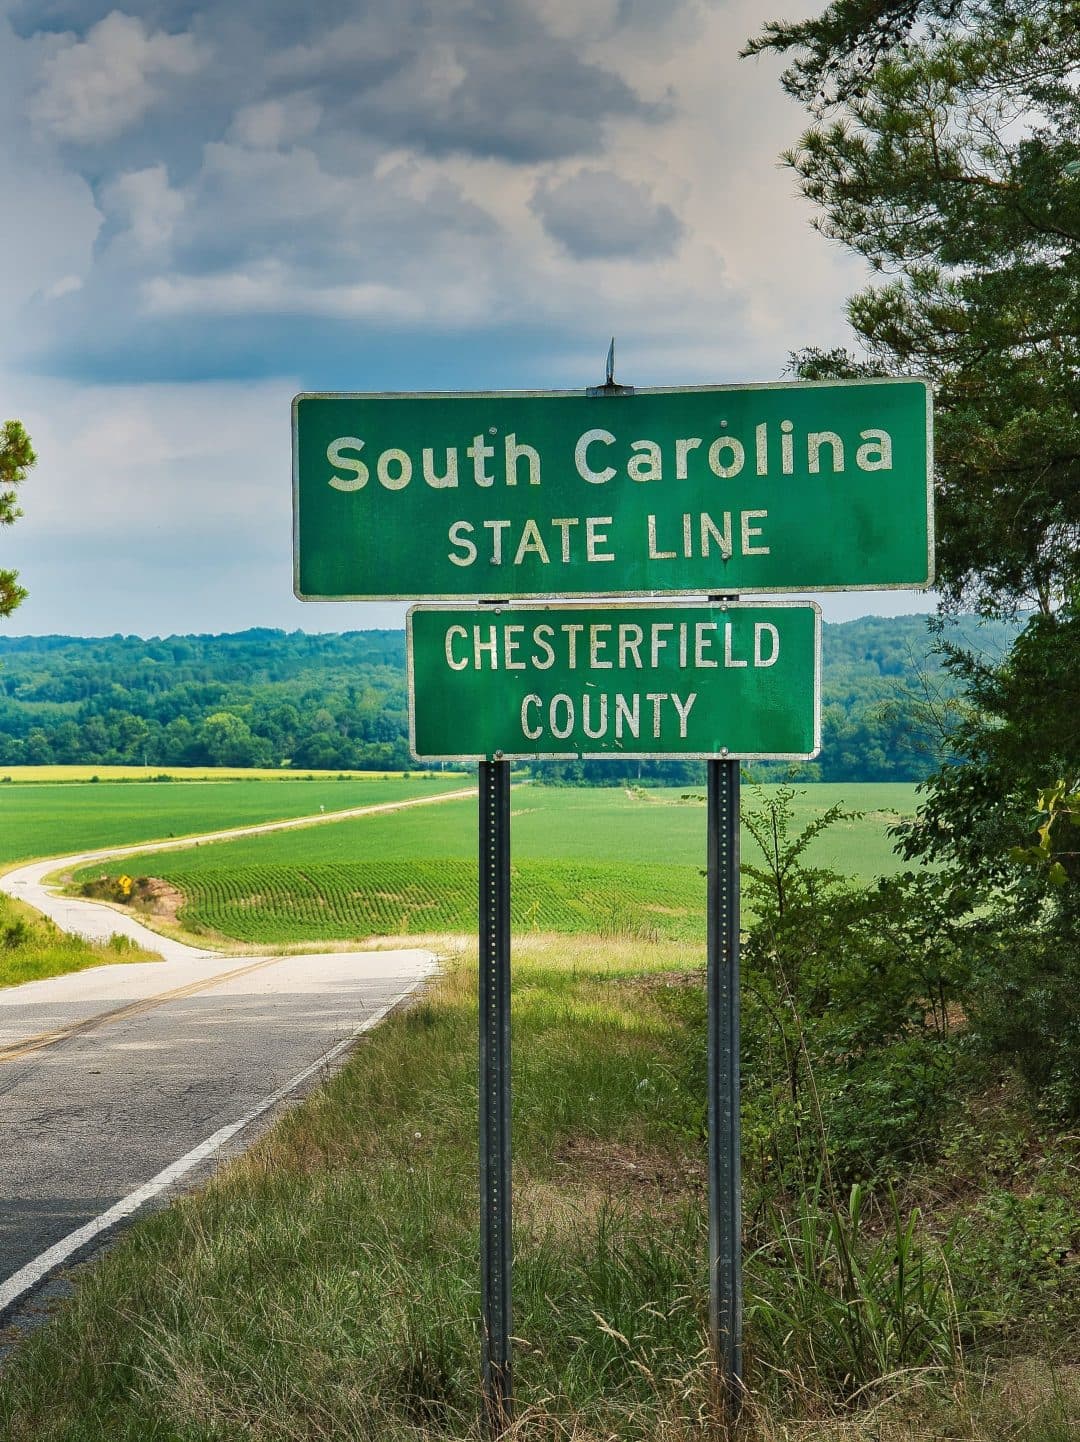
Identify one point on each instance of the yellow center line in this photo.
(135, 1008)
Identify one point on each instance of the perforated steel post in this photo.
(725, 1184)
(495, 1185)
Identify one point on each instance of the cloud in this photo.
(490, 81)
(46, 243)
(160, 509)
(359, 196)
(268, 289)
(512, 79)
(598, 214)
(343, 162)
(172, 464)
(92, 90)
(145, 207)
(348, 184)
(66, 285)
(271, 124)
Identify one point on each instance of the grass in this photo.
(42, 819)
(325, 1285)
(32, 948)
(608, 861)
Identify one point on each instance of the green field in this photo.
(599, 860)
(43, 819)
(573, 823)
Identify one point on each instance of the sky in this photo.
(212, 206)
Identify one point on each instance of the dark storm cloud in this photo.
(483, 81)
(597, 214)
(285, 19)
(489, 79)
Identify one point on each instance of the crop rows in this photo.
(336, 901)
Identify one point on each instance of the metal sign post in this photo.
(722, 984)
(495, 1177)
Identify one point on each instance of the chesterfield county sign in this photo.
(623, 679)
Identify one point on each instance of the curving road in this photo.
(120, 1084)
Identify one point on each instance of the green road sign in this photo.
(822, 486)
(636, 679)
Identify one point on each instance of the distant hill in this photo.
(337, 702)
(885, 695)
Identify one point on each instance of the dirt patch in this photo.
(653, 981)
(158, 897)
(592, 1177)
(617, 1170)
(652, 798)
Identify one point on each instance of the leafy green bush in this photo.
(1025, 1003)
(852, 998)
(1019, 1250)
(14, 934)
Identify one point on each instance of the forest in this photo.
(338, 702)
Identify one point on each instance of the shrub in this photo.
(852, 998)
(15, 933)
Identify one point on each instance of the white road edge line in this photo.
(28, 1277)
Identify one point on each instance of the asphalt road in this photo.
(121, 1084)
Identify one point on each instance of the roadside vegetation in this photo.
(911, 1204)
(17, 460)
(32, 948)
(911, 1045)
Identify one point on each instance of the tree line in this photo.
(338, 702)
(258, 698)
